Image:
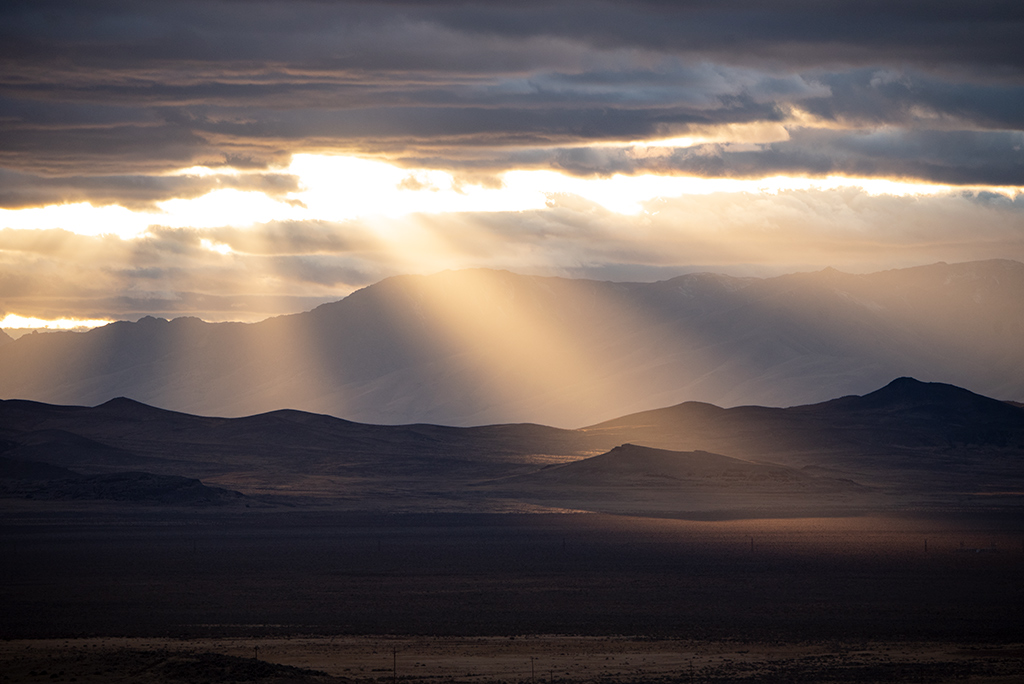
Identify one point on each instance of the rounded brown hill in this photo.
(631, 464)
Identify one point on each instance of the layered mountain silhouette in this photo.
(931, 434)
(908, 444)
(478, 347)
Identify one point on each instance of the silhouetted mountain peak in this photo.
(122, 402)
(918, 413)
(906, 385)
(905, 392)
(127, 405)
(686, 411)
(124, 407)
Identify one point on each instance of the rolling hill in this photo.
(639, 480)
(907, 434)
(908, 444)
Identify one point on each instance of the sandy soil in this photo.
(768, 601)
(503, 659)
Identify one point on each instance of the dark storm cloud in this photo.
(910, 98)
(119, 89)
(793, 32)
(318, 33)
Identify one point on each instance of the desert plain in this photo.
(92, 594)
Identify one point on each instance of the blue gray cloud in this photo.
(93, 95)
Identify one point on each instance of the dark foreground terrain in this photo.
(94, 573)
(505, 659)
(96, 593)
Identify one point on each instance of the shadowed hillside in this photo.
(477, 347)
(917, 435)
(641, 480)
(908, 444)
(42, 481)
(630, 464)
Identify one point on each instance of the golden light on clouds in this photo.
(344, 188)
(756, 132)
(218, 247)
(81, 218)
(222, 208)
(16, 322)
(341, 188)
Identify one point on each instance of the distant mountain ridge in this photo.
(477, 347)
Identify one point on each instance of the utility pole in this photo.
(394, 664)
(533, 671)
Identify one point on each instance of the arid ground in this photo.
(104, 594)
(540, 658)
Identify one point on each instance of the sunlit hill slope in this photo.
(478, 347)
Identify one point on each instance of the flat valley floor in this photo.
(544, 659)
(94, 593)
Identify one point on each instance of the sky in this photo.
(240, 159)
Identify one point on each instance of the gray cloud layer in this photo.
(97, 97)
(955, 157)
(18, 190)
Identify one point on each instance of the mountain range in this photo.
(478, 347)
(907, 445)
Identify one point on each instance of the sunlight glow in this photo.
(205, 171)
(758, 132)
(81, 218)
(225, 208)
(218, 247)
(14, 321)
(341, 188)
